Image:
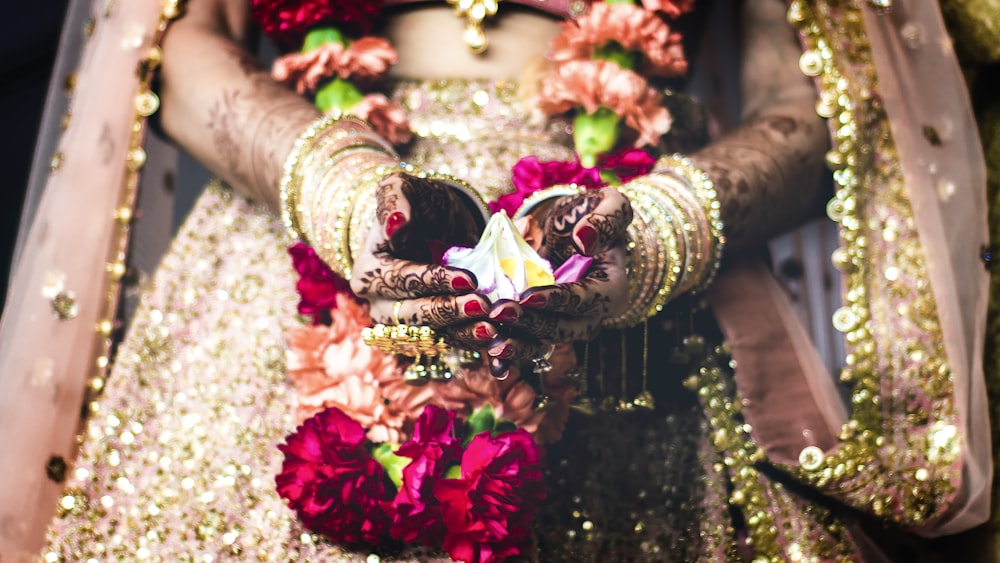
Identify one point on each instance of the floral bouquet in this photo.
(380, 463)
(451, 464)
(471, 489)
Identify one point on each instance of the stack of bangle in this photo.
(330, 177)
(328, 187)
(675, 239)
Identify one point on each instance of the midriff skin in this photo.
(429, 41)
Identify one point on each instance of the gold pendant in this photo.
(475, 12)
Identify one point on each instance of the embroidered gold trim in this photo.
(146, 104)
(897, 460)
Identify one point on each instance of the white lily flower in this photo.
(502, 261)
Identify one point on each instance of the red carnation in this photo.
(433, 449)
(531, 175)
(318, 285)
(488, 511)
(287, 21)
(331, 481)
(627, 163)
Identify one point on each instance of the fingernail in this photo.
(483, 333)
(461, 284)
(394, 222)
(534, 300)
(474, 309)
(587, 236)
(504, 351)
(504, 315)
(499, 369)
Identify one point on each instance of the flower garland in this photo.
(475, 497)
(455, 464)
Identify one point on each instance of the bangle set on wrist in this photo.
(329, 183)
(335, 164)
(676, 237)
(675, 240)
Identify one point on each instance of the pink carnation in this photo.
(531, 174)
(670, 8)
(488, 511)
(317, 286)
(434, 447)
(632, 27)
(319, 357)
(385, 116)
(365, 59)
(595, 84)
(287, 21)
(333, 367)
(627, 163)
(332, 483)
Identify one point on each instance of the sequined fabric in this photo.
(179, 457)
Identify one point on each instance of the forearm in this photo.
(222, 106)
(768, 170)
(767, 174)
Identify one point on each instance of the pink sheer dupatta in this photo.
(51, 333)
(47, 361)
(789, 397)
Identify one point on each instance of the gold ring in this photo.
(395, 311)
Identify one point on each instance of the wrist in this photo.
(675, 240)
(329, 176)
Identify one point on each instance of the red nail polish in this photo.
(588, 237)
(394, 222)
(534, 300)
(505, 315)
(461, 284)
(504, 352)
(482, 333)
(474, 309)
(499, 369)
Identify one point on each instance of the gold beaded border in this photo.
(898, 463)
(146, 104)
(881, 464)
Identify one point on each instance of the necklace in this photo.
(475, 13)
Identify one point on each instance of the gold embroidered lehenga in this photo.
(179, 455)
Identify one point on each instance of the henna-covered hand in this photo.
(592, 223)
(416, 219)
(562, 312)
(587, 223)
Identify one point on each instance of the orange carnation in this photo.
(595, 84)
(632, 27)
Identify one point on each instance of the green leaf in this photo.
(453, 472)
(393, 464)
(594, 134)
(503, 426)
(613, 51)
(610, 177)
(319, 36)
(481, 420)
(337, 94)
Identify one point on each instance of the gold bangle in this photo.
(703, 189)
(316, 135)
(535, 199)
(666, 240)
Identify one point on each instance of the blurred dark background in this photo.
(29, 39)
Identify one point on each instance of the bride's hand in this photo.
(415, 218)
(592, 224)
